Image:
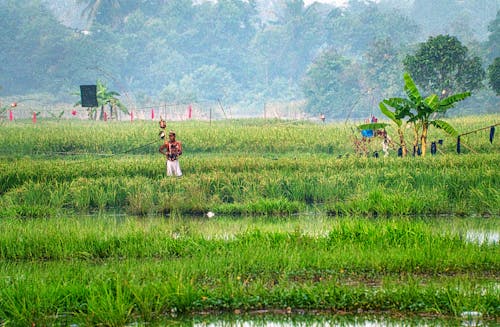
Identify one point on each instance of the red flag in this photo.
(153, 114)
(105, 116)
(131, 116)
(34, 117)
(11, 115)
(190, 111)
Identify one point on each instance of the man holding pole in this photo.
(172, 149)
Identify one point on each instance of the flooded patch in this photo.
(468, 319)
(482, 237)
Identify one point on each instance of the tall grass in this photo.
(258, 137)
(116, 270)
(237, 184)
(394, 245)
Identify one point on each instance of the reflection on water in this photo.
(472, 318)
(335, 320)
(482, 237)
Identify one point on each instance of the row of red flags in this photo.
(74, 113)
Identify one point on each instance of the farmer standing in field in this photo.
(172, 149)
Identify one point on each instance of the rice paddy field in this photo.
(93, 232)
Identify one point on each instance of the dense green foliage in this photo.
(493, 44)
(245, 52)
(326, 78)
(420, 112)
(443, 65)
(494, 75)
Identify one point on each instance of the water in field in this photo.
(318, 320)
(483, 237)
(315, 320)
(476, 230)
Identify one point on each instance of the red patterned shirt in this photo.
(172, 150)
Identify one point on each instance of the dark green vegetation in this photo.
(245, 53)
(294, 226)
(443, 64)
(494, 75)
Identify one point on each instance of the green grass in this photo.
(256, 137)
(116, 270)
(294, 223)
(242, 185)
(238, 167)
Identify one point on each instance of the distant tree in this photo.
(494, 75)
(331, 85)
(354, 30)
(106, 12)
(208, 83)
(443, 65)
(431, 14)
(221, 36)
(33, 44)
(493, 43)
(382, 66)
(288, 44)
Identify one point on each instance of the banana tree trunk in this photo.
(415, 140)
(423, 139)
(402, 142)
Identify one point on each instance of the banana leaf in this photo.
(411, 89)
(372, 126)
(445, 127)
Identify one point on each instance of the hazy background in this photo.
(245, 54)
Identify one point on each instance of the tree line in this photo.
(342, 61)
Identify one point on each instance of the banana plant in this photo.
(398, 107)
(427, 108)
(419, 111)
(105, 97)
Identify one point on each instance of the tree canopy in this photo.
(444, 65)
(246, 51)
(494, 75)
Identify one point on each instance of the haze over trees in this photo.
(340, 60)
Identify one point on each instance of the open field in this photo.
(94, 233)
(239, 167)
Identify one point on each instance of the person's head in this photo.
(171, 136)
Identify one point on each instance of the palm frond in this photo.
(432, 101)
(389, 114)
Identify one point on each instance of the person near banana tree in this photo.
(172, 149)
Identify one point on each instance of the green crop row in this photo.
(113, 271)
(259, 137)
(249, 185)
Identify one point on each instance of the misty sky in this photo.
(333, 2)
